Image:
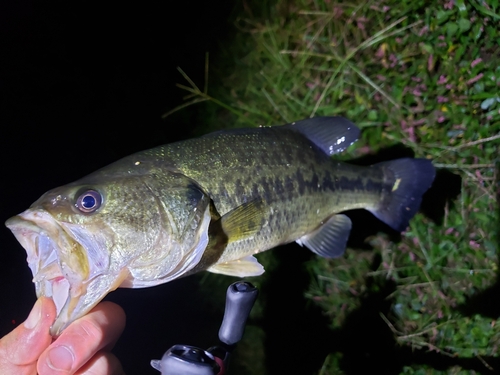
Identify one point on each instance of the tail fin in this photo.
(407, 180)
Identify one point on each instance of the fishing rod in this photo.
(190, 360)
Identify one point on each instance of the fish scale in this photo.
(298, 180)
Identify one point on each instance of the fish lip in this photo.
(42, 237)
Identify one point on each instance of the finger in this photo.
(103, 363)
(20, 349)
(82, 339)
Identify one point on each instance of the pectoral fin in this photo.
(330, 239)
(243, 221)
(247, 266)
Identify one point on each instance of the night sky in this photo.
(82, 85)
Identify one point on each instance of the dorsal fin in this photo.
(331, 134)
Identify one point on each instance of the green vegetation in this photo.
(420, 74)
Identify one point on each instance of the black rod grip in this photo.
(240, 298)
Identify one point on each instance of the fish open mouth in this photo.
(52, 255)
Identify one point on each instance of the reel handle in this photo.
(240, 298)
(190, 360)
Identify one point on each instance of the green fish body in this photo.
(208, 203)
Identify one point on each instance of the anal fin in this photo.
(247, 266)
(330, 239)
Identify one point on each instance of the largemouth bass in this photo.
(209, 203)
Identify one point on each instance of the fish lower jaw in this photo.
(65, 296)
(57, 288)
(52, 283)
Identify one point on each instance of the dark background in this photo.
(81, 85)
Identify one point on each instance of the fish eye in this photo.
(89, 201)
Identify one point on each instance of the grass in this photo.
(418, 76)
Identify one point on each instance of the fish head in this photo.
(84, 240)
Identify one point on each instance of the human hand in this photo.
(83, 348)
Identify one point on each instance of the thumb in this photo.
(25, 343)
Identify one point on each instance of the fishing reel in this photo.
(190, 360)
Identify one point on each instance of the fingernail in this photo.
(35, 315)
(60, 358)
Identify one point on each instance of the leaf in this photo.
(463, 25)
(451, 29)
(443, 16)
(462, 9)
(477, 31)
(489, 102)
(427, 48)
(484, 10)
(372, 115)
